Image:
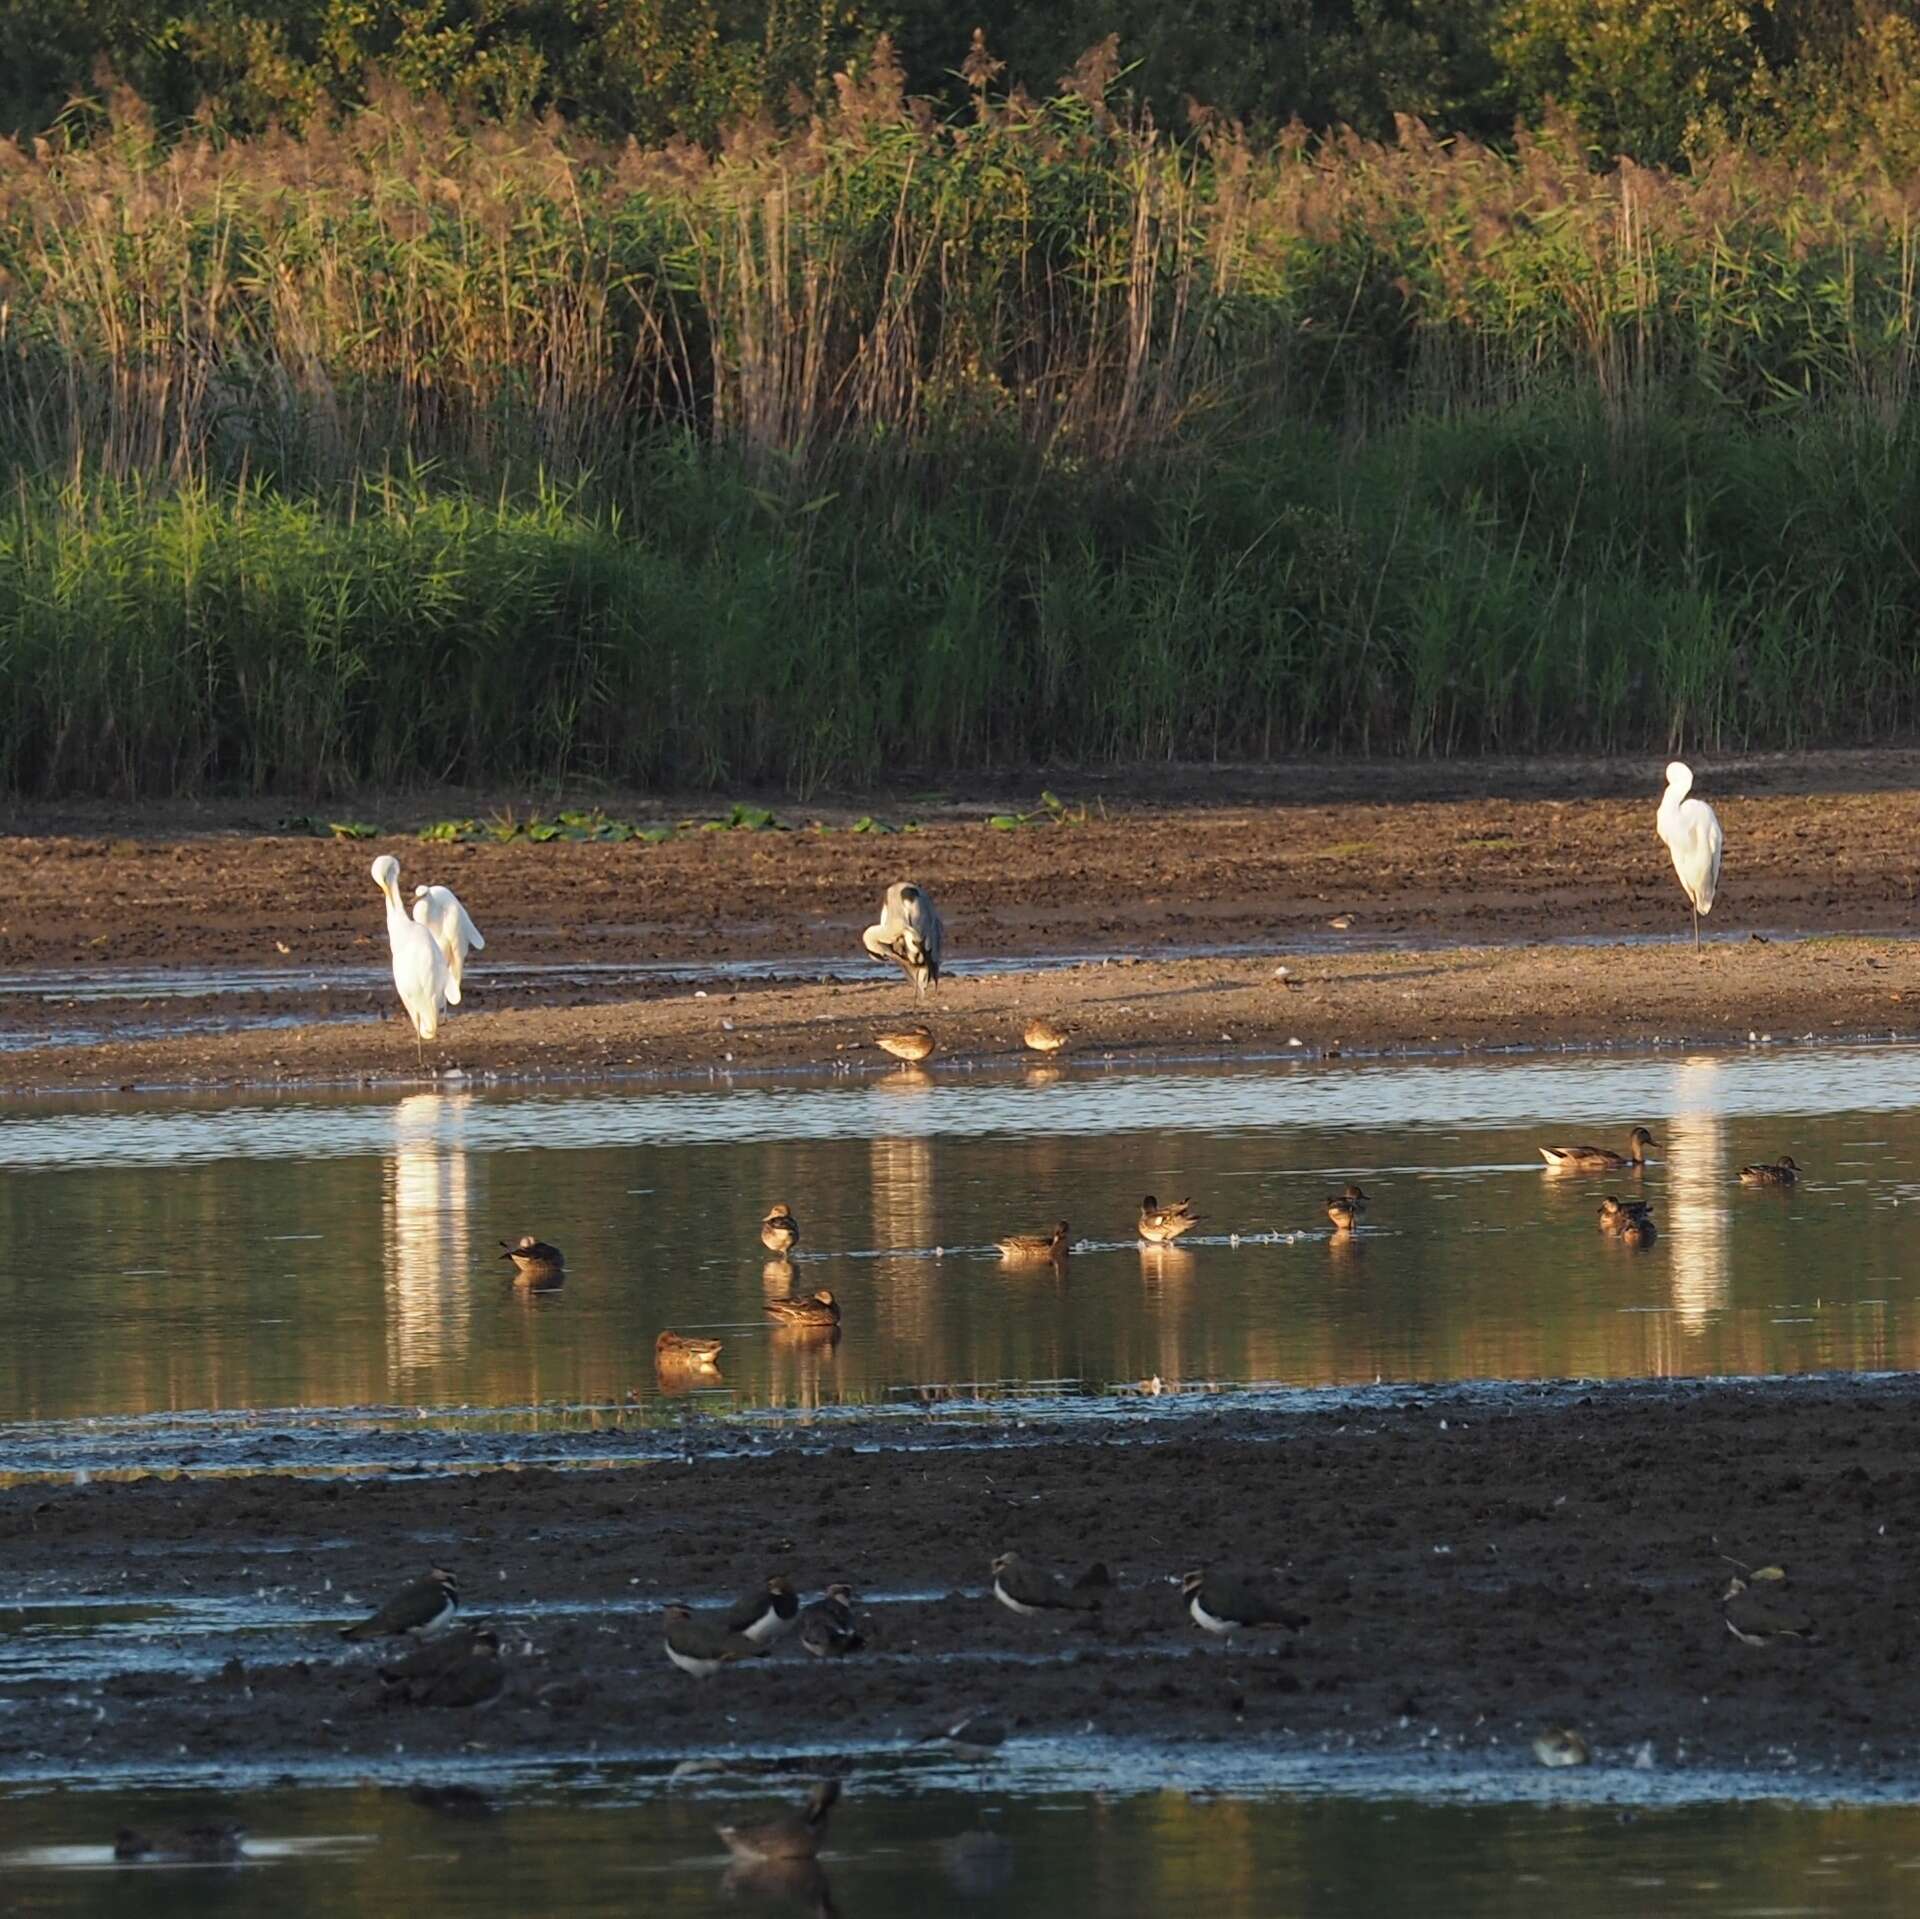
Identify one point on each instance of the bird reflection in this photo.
(909, 1079)
(1041, 1075)
(1165, 1263)
(804, 1364)
(776, 1278)
(1696, 1221)
(802, 1882)
(428, 1249)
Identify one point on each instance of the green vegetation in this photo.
(407, 451)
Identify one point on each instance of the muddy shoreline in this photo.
(1447, 909)
(1473, 1569)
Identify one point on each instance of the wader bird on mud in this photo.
(1691, 830)
(438, 909)
(419, 966)
(908, 934)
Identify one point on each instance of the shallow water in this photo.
(171, 1256)
(610, 1846)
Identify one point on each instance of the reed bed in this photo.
(409, 451)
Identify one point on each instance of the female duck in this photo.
(818, 1311)
(1055, 1245)
(1781, 1172)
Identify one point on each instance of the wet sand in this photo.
(1457, 890)
(1474, 1567)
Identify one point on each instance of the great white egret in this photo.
(419, 966)
(908, 933)
(438, 909)
(1691, 830)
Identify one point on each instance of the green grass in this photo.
(1519, 583)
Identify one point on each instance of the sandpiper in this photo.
(1043, 1036)
(910, 1045)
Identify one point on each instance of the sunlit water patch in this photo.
(171, 1258)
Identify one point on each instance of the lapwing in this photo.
(419, 1608)
(1221, 1603)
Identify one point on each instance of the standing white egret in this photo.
(438, 909)
(908, 933)
(419, 966)
(1691, 830)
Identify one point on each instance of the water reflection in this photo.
(371, 1277)
(1695, 1219)
(1056, 1851)
(429, 1256)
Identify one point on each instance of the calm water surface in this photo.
(1065, 1855)
(170, 1256)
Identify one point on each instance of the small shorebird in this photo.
(1219, 1603)
(1780, 1172)
(438, 909)
(534, 1258)
(1691, 830)
(1597, 1159)
(762, 1613)
(817, 1310)
(909, 1046)
(1163, 1223)
(1042, 1036)
(1616, 1213)
(1055, 1245)
(794, 1835)
(780, 1231)
(908, 934)
(420, 1607)
(682, 1349)
(826, 1627)
(1561, 1746)
(1343, 1212)
(702, 1646)
(1031, 1590)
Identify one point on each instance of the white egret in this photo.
(1691, 830)
(908, 933)
(438, 909)
(419, 966)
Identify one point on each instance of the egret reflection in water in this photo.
(1697, 1196)
(429, 1252)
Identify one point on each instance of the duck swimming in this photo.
(534, 1258)
(1597, 1159)
(679, 1349)
(1617, 1213)
(1780, 1172)
(819, 1309)
(1054, 1245)
(780, 1231)
(1344, 1213)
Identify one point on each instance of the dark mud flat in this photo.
(1474, 1567)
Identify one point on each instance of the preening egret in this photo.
(438, 909)
(908, 933)
(419, 967)
(1691, 830)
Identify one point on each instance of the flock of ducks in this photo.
(1632, 1220)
